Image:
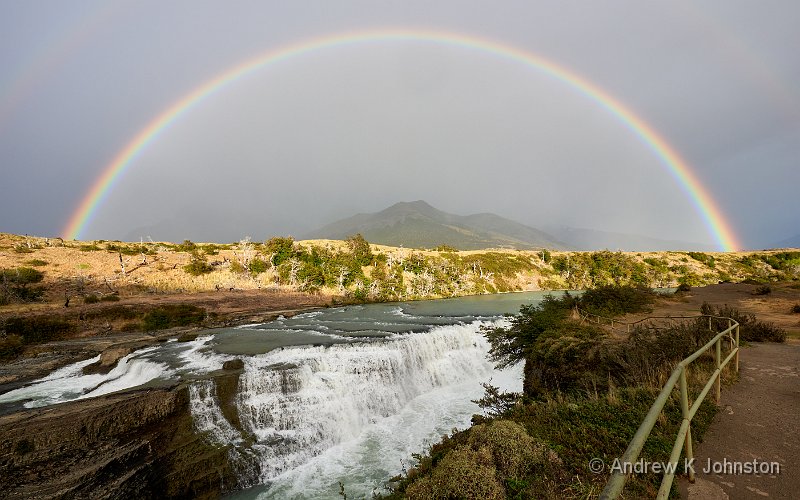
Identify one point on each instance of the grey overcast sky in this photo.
(356, 128)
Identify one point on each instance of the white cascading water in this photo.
(299, 402)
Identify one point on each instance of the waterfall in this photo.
(298, 402)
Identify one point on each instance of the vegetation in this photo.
(750, 329)
(584, 396)
(15, 284)
(172, 315)
(762, 290)
(198, 265)
(39, 329)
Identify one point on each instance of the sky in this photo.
(357, 127)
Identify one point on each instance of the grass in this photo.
(584, 397)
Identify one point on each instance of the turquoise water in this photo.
(334, 395)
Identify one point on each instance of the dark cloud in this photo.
(357, 128)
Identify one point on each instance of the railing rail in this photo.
(616, 482)
(588, 317)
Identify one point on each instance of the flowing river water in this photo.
(335, 395)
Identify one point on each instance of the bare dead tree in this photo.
(247, 251)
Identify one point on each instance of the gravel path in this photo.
(758, 421)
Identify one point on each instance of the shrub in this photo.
(36, 263)
(172, 315)
(258, 266)
(15, 283)
(88, 248)
(110, 298)
(279, 249)
(20, 248)
(445, 248)
(614, 300)
(703, 258)
(10, 346)
(762, 290)
(91, 299)
(750, 329)
(462, 473)
(796, 308)
(39, 329)
(198, 265)
(186, 246)
(684, 287)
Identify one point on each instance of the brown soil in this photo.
(756, 422)
(775, 307)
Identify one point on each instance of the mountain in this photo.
(793, 242)
(418, 225)
(592, 239)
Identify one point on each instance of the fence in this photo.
(616, 482)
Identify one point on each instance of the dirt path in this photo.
(757, 421)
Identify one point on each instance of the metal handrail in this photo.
(586, 316)
(616, 482)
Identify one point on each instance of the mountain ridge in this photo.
(417, 224)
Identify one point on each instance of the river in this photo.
(335, 395)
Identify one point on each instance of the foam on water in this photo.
(315, 408)
(70, 383)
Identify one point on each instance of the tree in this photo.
(279, 249)
(359, 249)
(15, 283)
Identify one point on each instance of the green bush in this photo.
(186, 246)
(89, 248)
(198, 265)
(359, 249)
(15, 284)
(684, 287)
(615, 300)
(90, 299)
(110, 298)
(750, 329)
(703, 258)
(173, 315)
(36, 263)
(258, 266)
(39, 329)
(279, 249)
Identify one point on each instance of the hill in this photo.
(593, 239)
(793, 242)
(419, 225)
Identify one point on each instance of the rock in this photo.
(187, 337)
(234, 364)
(108, 360)
(137, 444)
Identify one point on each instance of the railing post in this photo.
(737, 348)
(685, 412)
(718, 356)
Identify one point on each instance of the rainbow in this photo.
(679, 169)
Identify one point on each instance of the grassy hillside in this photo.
(82, 270)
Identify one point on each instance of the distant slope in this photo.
(591, 239)
(793, 242)
(419, 225)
